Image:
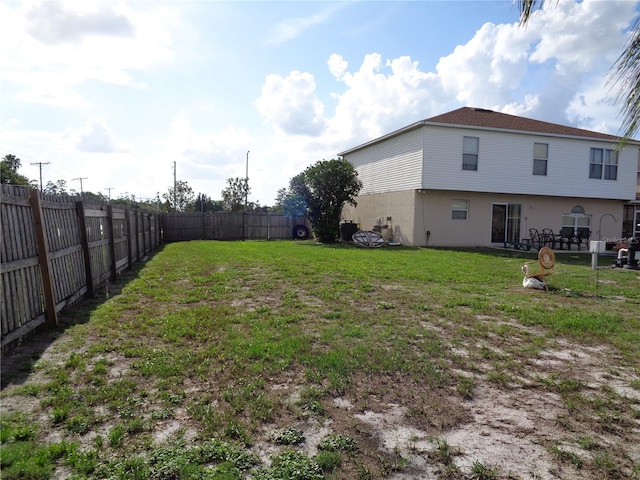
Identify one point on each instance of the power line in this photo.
(80, 178)
(40, 164)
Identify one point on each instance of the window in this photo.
(540, 157)
(595, 168)
(577, 219)
(470, 146)
(459, 209)
(610, 165)
(603, 164)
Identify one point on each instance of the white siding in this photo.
(505, 165)
(390, 166)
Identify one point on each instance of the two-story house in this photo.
(475, 177)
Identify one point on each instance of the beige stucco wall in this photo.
(400, 206)
(414, 212)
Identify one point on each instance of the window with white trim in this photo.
(577, 219)
(459, 209)
(603, 164)
(470, 149)
(540, 158)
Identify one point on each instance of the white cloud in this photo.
(578, 35)
(206, 160)
(380, 98)
(594, 108)
(52, 21)
(552, 70)
(337, 65)
(485, 70)
(292, 28)
(48, 49)
(376, 98)
(96, 137)
(207, 148)
(291, 105)
(54, 95)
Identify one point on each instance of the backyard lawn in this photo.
(293, 360)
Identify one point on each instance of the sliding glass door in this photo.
(505, 222)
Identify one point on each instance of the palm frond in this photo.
(527, 7)
(625, 74)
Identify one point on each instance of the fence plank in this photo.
(43, 255)
(178, 227)
(57, 248)
(84, 243)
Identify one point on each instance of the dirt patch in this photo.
(564, 408)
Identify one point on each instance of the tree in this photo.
(625, 72)
(180, 198)
(9, 171)
(204, 203)
(235, 194)
(130, 200)
(56, 188)
(324, 188)
(281, 196)
(289, 203)
(94, 197)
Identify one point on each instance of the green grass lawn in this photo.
(216, 360)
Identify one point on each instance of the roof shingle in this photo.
(480, 117)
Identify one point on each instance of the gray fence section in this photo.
(177, 227)
(56, 248)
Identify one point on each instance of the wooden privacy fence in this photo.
(56, 248)
(178, 227)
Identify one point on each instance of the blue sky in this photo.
(115, 92)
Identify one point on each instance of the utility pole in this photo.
(109, 190)
(80, 178)
(246, 182)
(175, 183)
(40, 164)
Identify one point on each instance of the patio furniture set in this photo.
(547, 238)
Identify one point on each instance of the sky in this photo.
(119, 93)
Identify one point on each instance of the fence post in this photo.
(51, 314)
(127, 220)
(84, 240)
(136, 214)
(144, 234)
(112, 243)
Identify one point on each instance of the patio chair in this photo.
(536, 238)
(542, 267)
(566, 236)
(582, 237)
(548, 238)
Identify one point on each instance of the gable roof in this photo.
(489, 120)
(480, 117)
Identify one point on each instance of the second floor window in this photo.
(470, 148)
(603, 164)
(540, 158)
